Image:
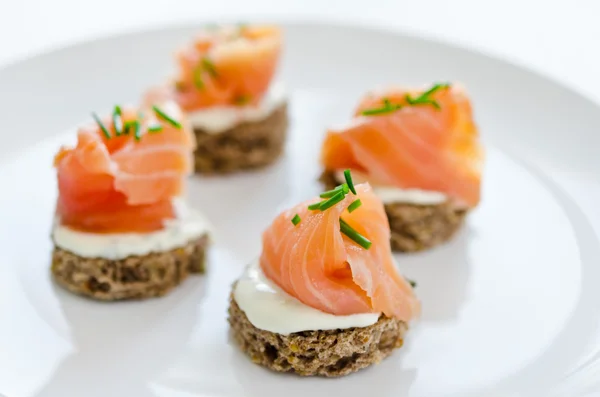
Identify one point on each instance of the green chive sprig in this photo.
(137, 130)
(348, 178)
(354, 205)
(334, 196)
(315, 206)
(162, 115)
(198, 82)
(412, 282)
(387, 107)
(425, 98)
(117, 120)
(101, 125)
(333, 192)
(209, 66)
(333, 200)
(353, 235)
(296, 219)
(205, 65)
(242, 100)
(155, 128)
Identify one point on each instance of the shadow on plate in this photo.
(388, 378)
(442, 276)
(119, 347)
(240, 206)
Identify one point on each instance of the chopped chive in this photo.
(137, 131)
(209, 66)
(411, 282)
(435, 87)
(334, 191)
(101, 125)
(242, 99)
(354, 235)
(382, 110)
(355, 204)
(333, 200)
(180, 86)
(314, 206)
(348, 178)
(166, 117)
(128, 126)
(424, 99)
(198, 78)
(296, 219)
(155, 128)
(117, 120)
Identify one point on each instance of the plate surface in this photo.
(510, 305)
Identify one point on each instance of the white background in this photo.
(558, 38)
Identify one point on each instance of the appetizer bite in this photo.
(122, 229)
(224, 83)
(325, 298)
(420, 151)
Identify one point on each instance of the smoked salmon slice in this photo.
(307, 255)
(125, 170)
(228, 66)
(412, 139)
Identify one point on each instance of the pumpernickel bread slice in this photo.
(135, 277)
(327, 353)
(416, 227)
(245, 146)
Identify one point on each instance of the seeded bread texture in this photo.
(248, 145)
(135, 277)
(327, 353)
(416, 227)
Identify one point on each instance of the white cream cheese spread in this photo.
(271, 309)
(392, 194)
(217, 119)
(185, 227)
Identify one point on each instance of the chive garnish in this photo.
(155, 128)
(348, 178)
(198, 78)
(117, 120)
(344, 188)
(296, 219)
(424, 98)
(333, 200)
(101, 125)
(209, 66)
(314, 206)
(165, 117)
(137, 131)
(180, 86)
(386, 108)
(355, 204)
(242, 99)
(354, 235)
(411, 282)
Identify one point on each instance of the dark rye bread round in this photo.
(317, 353)
(245, 146)
(416, 227)
(135, 277)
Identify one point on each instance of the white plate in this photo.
(511, 306)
